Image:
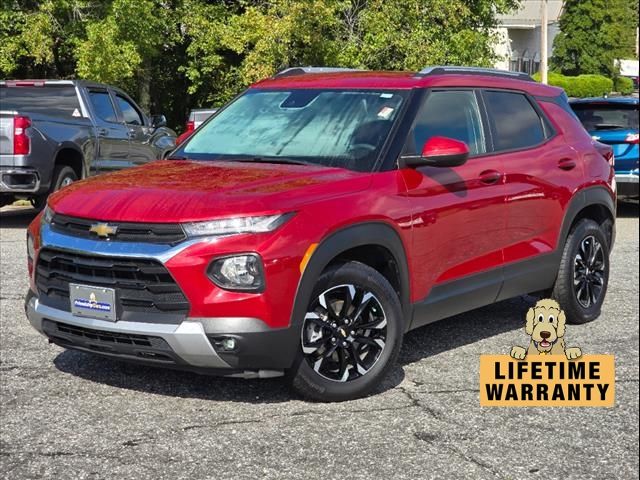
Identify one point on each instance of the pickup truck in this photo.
(53, 132)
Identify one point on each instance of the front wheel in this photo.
(584, 273)
(351, 334)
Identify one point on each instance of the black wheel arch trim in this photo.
(595, 195)
(377, 233)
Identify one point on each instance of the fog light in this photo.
(228, 344)
(239, 272)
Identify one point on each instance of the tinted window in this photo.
(103, 107)
(453, 114)
(607, 117)
(129, 113)
(517, 124)
(48, 100)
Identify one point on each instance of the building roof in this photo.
(529, 15)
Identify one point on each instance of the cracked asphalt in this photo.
(69, 415)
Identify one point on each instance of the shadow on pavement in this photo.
(418, 345)
(17, 217)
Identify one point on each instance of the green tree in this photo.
(594, 33)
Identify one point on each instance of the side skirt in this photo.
(475, 291)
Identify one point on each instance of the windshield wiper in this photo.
(611, 126)
(284, 160)
(177, 157)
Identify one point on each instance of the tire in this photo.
(63, 175)
(579, 306)
(368, 353)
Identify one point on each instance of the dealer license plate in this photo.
(93, 302)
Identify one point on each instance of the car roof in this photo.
(605, 100)
(357, 79)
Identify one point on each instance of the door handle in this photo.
(566, 164)
(102, 132)
(490, 176)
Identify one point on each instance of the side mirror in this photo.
(158, 121)
(438, 152)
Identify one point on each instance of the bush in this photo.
(623, 85)
(580, 86)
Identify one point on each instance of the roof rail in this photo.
(289, 72)
(494, 72)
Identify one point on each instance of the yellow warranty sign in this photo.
(547, 381)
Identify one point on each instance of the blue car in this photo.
(614, 121)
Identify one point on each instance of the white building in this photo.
(519, 44)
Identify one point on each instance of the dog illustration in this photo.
(545, 325)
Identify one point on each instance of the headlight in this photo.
(47, 216)
(239, 272)
(230, 226)
(31, 250)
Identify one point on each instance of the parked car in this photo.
(614, 121)
(196, 118)
(53, 132)
(319, 216)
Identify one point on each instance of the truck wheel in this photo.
(584, 273)
(351, 335)
(63, 175)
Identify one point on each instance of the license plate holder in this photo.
(93, 302)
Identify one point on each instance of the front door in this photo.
(140, 148)
(457, 213)
(112, 135)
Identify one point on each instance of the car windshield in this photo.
(345, 129)
(607, 117)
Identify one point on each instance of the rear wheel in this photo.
(63, 175)
(583, 276)
(351, 334)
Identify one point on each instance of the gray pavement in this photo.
(69, 415)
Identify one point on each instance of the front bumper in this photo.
(627, 184)
(187, 346)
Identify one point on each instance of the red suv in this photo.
(311, 222)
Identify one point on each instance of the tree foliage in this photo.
(594, 33)
(176, 54)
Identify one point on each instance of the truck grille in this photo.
(141, 285)
(169, 233)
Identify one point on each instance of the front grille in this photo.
(141, 285)
(145, 347)
(169, 233)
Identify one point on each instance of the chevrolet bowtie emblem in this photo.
(103, 229)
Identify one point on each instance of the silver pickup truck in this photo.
(53, 132)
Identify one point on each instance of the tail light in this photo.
(191, 126)
(606, 151)
(632, 138)
(21, 142)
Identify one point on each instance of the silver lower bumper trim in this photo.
(626, 178)
(188, 340)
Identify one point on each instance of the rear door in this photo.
(457, 213)
(541, 171)
(112, 134)
(140, 135)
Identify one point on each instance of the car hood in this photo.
(184, 191)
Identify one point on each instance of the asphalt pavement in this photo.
(70, 415)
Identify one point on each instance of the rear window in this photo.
(48, 100)
(516, 123)
(607, 117)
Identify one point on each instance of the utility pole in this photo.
(543, 43)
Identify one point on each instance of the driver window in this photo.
(454, 114)
(129, 113)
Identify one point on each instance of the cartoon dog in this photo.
(545, 325)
